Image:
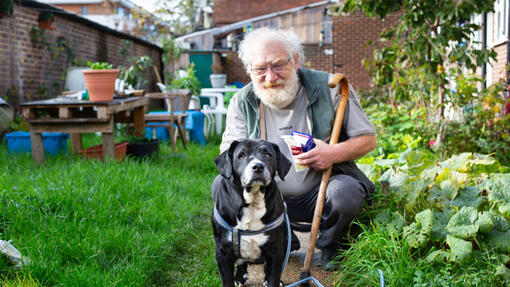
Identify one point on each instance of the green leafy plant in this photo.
(190, 82)
(425, 53)
(445, 216)
(99, 65)
(134, 75)
(18, 124)
(171, 52)
(46, 16)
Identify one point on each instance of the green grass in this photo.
(94, 223)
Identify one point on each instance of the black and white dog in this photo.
(248, 215)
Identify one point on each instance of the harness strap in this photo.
(237, 233)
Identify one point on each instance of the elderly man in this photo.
(282, 98)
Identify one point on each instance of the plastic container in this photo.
(54, 143)
(218, 80)
(96, 152)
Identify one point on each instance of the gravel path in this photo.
(294, 267)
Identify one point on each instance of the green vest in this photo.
(321, 113)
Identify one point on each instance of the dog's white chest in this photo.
(252, 220)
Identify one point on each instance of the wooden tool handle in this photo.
(335, 133)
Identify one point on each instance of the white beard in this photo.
(279, 97)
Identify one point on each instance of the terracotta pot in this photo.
(46, 25)
(100, 84)
(96, 152)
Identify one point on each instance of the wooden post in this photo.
(76, 143)
(37, 147)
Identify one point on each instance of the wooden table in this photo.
(76, 117)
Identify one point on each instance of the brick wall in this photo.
(317, 58)
(28, 72)
(230, 11)
(351, 34)
(234, 69)
(499, 67)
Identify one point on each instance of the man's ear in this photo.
(282, 163)
(224, 161)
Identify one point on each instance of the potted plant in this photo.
(140, 147)
(6, 7)
(134, 76)
(46, 20)
(100, 81)
(218, 79)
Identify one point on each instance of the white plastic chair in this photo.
(214, 112)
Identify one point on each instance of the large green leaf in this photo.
(504, 272)
(418, 233)
(469, 196)
(468, 221)
(393, 222)
(441, 219)
(498, 187)
(460, 249)
(394, 178)
(498, 240)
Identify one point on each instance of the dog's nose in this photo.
(258, 168)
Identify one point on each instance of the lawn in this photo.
(146, 223)
(93, 223)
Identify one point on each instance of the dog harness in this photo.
(237, 233)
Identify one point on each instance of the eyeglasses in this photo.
(277, 67)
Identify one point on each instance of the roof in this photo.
(239, 25)
(74, 17)
(77, 2)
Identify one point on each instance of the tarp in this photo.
(6, 115)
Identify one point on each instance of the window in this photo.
(84, 10)
(120, 11)
(500, 21)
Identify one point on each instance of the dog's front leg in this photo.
(273, 270)
(225, 262)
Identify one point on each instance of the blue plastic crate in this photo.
(194, 124)
(54, 143)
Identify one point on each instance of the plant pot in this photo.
(96, 152)
(100, 84)
(143, 149)
(218, 80)
(46, 25)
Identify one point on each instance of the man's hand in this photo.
(320, 157)
(324, 155)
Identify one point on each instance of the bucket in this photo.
(218, 80)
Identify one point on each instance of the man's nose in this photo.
(271, 76)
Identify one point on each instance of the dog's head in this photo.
(252, 162)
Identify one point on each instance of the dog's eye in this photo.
(268, 155)
(242, 155)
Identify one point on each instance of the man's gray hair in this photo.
(288, 38)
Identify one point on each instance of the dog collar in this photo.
(237, 233)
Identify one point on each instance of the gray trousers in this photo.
(345, 198)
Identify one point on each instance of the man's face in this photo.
(274, 74)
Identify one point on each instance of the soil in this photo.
(294, 267)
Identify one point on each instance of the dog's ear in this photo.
(224, 161)
(282, 162)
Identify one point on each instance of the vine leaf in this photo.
(418, 233)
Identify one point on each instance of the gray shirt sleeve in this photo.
(358, 123)
(235, 127)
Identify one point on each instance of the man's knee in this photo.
(345, 194)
